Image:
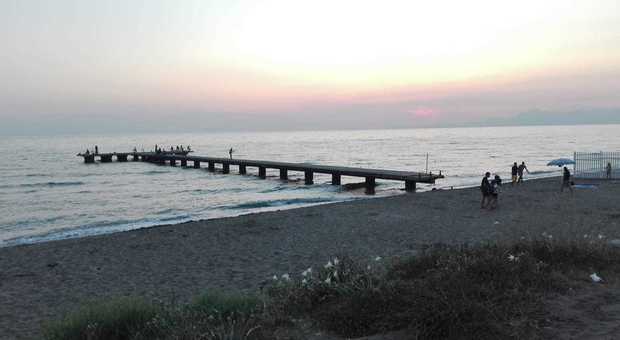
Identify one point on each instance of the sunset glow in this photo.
(468, 60)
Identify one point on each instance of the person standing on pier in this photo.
(608, 170)
(230, 152)
(96, 150)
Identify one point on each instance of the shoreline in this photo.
(44, 280)
(50, 237)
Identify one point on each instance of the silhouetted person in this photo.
(485, 189)
(608, 170)
(230, 152)
(522, 168)
(87, 152)
(566, 180)
(494, 197)
(514, 172)
(96, 150)
(188, 148)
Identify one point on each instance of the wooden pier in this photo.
(182, 158)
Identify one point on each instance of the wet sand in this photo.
(42, 281)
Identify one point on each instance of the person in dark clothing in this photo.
(566, 180)
(230, 152)
(485, 189)
(514, 172)
(96, 150)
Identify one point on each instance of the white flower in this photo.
(336, 261)
(596, 278)
(378, 258)
(335, 274)
(600, 237)
(304, 281)
(275, 277)
(328, 280)
(512, 258)
(286, 277)
(496, 222)
(306, 272)
(328, 265)
(585, 236)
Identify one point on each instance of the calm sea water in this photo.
(48, 193)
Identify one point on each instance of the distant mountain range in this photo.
(542, 117)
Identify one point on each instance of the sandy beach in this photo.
(42, 281)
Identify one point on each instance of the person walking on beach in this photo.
(608, 170)
(230, 152)
(514, 172)
(566, 180)
(485, 189)
(522, 168)
(496, 183)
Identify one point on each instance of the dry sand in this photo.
(42, 281)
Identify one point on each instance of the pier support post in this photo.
(370, 185)
(121, 158)
(262, 172)
(89, 158)
(161, 161)
(196, 164)
(135, 158)
(309, 177)
(173, 162)
(211, 166)
(242, 169)
(184, 163)
(226, 168)
(410, 186)
(106, 158)
(336, 179)
(283, 174)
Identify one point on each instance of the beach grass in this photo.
(488, 291)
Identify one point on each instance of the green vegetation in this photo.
(483, 292)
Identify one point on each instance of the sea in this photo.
(48, 193)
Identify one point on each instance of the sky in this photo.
(73, 65)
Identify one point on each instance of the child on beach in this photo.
(496, 183)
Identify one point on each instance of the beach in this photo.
(42, 281)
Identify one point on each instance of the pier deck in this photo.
(409, 177)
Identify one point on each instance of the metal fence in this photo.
(604, 165)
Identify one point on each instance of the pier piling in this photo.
(262, 172)
(283, 174)
(336, 179)
(242, 169)
(226, 168)
(196, 164)
(309, 177)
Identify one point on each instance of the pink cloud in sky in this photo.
(424, 112)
